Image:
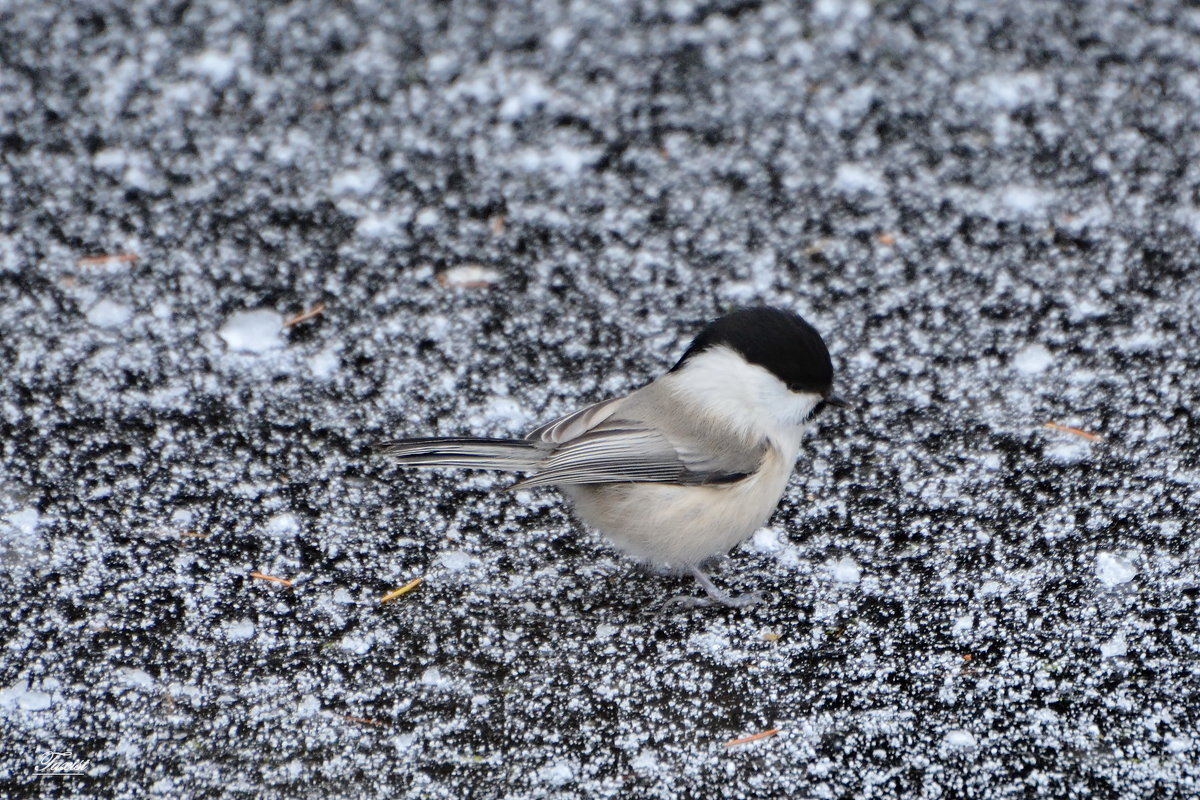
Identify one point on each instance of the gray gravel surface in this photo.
(991, 210)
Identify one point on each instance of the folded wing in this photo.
(618, 451)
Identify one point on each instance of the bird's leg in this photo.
(715, 595)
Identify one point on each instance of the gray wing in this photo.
(576, 423)
(620, 451)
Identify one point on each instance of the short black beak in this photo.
(834, 400)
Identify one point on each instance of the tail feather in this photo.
(517, 455)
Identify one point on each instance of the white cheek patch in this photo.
(745, 394)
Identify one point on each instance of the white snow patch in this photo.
(323, 364)
(23, 523)
(564, 160)
(766, 540)
(109, 314)
(856, 179)
(135, 677)
(215, 65)
(1114, 647)
(20, 696)
(358, 181)
(530, 96)
(1007, 91)
(1179, 744)
(380, 225)
(560, 37)
(1025, 200)
(845, 570)
(468, 276)
(433, 677)
(1112, 570)
(1068, 451)
(282, 525)
(358, 645)
(254, 331)
(644, 761)
(110, 159)
(455, 560)
(1032, 359)
(557, 774)
(239, 631)
(960, 739)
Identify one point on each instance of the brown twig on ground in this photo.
(105, 258)
(261, 576)
(754, 737)
(405, 589)
(1091, 437)
(303, 315)
(363, 720)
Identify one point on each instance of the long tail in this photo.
(516, 455)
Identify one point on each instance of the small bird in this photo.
(689, 465)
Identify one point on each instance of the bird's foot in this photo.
(715, 597)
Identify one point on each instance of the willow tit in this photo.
(687, 466)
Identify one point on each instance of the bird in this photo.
(686, 467)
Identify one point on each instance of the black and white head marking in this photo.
(777, 340)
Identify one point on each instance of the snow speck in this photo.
(239, 631)
(282, 526)
(380, 225)
(560, 37)
(766, 540)
(21, 696)
(1025, 200)
(855, 179)
(960, 739)
(1179, 744)
(468, 276)
(358, 645)
(1068, 451)
(1032, 360)
(845, 570)
(455, 560)
(528, 97)
(324, 364)
(433, 677)
(254, 331)
(1112, 570)
(644, 762)
(1114, 647)
(109, 314)
(359, 181)
(557, 774)
(131, 676)
(23, 522)
(218, 67)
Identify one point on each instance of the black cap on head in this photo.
(777, 340)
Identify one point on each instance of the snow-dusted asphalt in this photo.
(991, 210)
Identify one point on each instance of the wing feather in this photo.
(621, 452)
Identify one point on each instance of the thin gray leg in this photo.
(715, 595)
